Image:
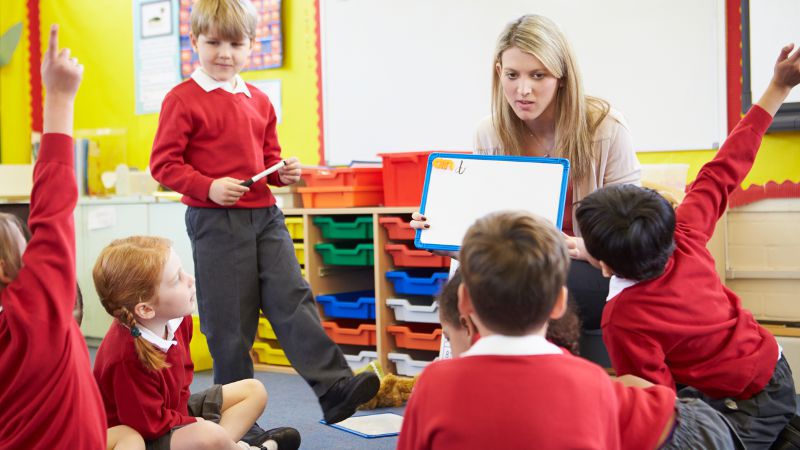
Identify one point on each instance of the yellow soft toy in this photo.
(394, 390)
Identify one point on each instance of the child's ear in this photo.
(607, 272)
(4, 277)
(144, 310)
(465, 307)
(560, 307)
(193, 41)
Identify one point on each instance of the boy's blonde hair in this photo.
(514, 265)
(128, 272)
(232, 20)
(9, 247)
(577, 115)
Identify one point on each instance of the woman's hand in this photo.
(418, 221)
(577, 249)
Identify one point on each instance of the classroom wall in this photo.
(100, 34)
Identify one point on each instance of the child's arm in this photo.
(636, 354)
(43, 294)
(708, 196)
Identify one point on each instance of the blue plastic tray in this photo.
(349, 305)
(408, 284)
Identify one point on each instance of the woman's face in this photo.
(528, 86)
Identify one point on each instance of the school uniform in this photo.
(243, 255)
(686, 327)
(47, 395)
(614, 162)
(524, 392)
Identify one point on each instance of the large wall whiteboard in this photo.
(459, 189)
(405, 75)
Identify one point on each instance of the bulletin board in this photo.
(268, 47)
(416, 74)
(460, 189)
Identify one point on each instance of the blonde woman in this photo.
(539, 109)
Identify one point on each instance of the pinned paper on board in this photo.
(460, 189)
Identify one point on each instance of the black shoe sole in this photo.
(361, 394)
(287, 438)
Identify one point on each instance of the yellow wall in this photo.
(15, 100)
(100, 34)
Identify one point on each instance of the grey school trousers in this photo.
(244, 262)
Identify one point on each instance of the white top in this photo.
(496, 344)
(209, 84)
(617, 285)
(158, 341)
(615, 159)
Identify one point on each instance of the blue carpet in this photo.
(293, 403)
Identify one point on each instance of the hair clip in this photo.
(135, 332)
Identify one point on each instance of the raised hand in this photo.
(61, 76)
(290, 172)
(785, 77)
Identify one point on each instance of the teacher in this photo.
(539, 109)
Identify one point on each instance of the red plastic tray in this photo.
(406, 257)
(398, 229)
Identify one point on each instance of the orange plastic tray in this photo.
(406, 257)
(406, 338)
(344, 176)
(397, 228)
(341, 197)
(363, 334)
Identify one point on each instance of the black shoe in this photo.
(341, 401)
(287, 438)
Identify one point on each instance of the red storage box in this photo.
(404, 176)
(398, 229)
(406, 257)
(351, 333)
(344, 176)
(341, 196)
(418, 340)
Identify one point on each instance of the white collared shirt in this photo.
(158, 341)
(237, 85)
(496, 344)
(617, 285)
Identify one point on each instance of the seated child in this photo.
(532, 393)
(44, 361)
(669, 318)
(143, 365)
(461, 333)
(709, 430)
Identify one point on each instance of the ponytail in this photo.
(150, 357)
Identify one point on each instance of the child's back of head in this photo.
(12, 245)
(628, 228)
(231, 20)
(514, 266)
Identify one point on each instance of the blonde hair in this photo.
(9, 246)
(128, 272)
(577, 115)
(233, 20)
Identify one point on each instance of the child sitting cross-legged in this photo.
(530, 392)
(143, 366)
(669, 318)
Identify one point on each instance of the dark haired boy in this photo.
(669, 319)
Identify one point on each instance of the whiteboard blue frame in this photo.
(522, 159)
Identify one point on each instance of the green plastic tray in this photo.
(360, 228)
(360, 255)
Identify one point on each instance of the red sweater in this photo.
(151, 403)
(48, 398)
(538, 401)
(203, 136)
(685, 326)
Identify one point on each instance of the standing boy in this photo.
(669, 319)
(214, 131)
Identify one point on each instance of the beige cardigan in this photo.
(615, 159)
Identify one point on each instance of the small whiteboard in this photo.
(460, 189)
